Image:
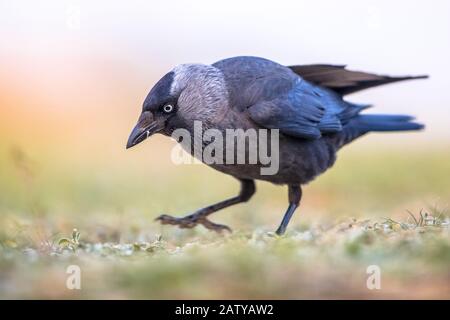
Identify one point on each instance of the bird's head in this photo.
(188, 93)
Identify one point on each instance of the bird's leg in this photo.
(199, 217)
(295, 194)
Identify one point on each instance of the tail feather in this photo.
(382, 122)
(365, 123)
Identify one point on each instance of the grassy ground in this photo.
(354, 216)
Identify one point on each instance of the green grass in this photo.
(321, 262)
(385, 208)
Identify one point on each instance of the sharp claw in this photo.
(192, 221)
(164, 217)
(214, 226)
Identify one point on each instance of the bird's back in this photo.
(247, 79)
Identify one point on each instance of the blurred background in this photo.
(74, 74)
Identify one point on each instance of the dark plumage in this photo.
(304, 102)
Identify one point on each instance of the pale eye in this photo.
(168, 108)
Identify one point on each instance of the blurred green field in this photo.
(112, 198)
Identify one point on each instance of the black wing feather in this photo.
(343, 81)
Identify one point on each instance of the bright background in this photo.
(73, 75)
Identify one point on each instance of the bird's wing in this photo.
(275, 97)
(344, 81)
(305, 111)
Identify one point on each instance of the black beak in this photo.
(145, 127)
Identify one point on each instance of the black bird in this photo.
(305, 103)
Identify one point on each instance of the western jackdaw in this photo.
(304, 102)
